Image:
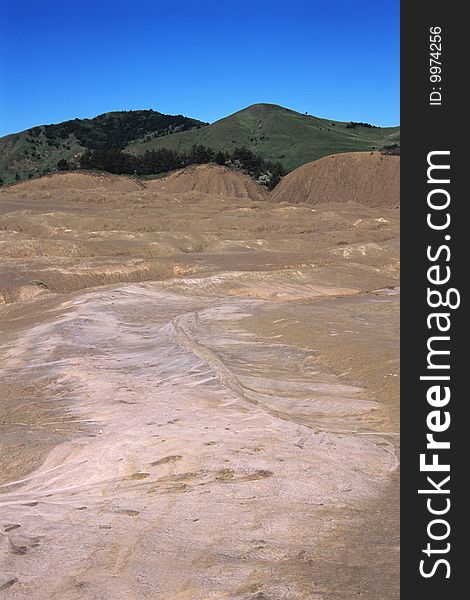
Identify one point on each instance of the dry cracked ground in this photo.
(199, 395)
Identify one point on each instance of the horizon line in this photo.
(190, 117)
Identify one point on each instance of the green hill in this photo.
(275, 133)
(38, 150)
(278, 134)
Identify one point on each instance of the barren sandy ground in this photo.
(199, 398)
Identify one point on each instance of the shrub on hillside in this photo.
(391, 150)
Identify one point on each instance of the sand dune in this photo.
(79, 181)
(368, 178)
(210, 179)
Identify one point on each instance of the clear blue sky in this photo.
(61, 59)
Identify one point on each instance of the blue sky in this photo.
(61, 59)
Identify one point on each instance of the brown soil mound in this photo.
(80, 181)
(210, 179)
(368, 178)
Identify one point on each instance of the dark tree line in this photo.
(154, 162)
(354, 125)
(391, 149)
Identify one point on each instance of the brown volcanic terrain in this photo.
(199, 391)
(210, 179)
(369, 178)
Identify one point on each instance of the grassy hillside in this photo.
(38, 150)
(277, 134)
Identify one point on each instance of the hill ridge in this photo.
(368, 178)
(279, 134)
(273, 132)
(38, 150)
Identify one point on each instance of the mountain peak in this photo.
(278, 134)
(273, 132)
